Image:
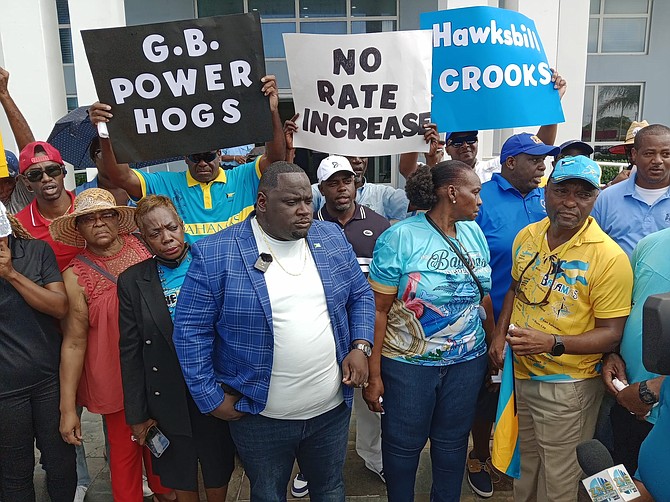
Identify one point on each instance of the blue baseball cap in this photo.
(528, 144)
(579, 168)
(12, 164)
(575, 143)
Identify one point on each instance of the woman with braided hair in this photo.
(32, 300)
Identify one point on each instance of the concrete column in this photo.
(563, 28)
(30, 51)
(85, 15)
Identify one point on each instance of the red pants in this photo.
(125, 462)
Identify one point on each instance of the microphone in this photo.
(605, 481)
(263, 262)
(593, 457)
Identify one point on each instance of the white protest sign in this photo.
(362, 95)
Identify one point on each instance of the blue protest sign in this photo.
(489, 71)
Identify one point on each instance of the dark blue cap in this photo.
(12, 164)
(528, 144)
(450, 134)
(575, 143)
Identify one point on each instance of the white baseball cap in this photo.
(331, 165)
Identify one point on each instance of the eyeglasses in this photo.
(206, 156)
(459, 142)
(521, 296)
(34, 175)
(90, 219)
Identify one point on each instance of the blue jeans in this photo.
(83, 476)
(268, 447)
(25, 417)
(428, 402)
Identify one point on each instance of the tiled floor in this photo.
(362, 485)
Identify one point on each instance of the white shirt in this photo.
(306, 380)
(486, 168)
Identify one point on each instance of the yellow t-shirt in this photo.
(590, 277)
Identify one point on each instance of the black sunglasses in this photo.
(521, 296)
(206, 156)
(459, 142)
(35, 175)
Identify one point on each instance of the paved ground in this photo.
(362, 484)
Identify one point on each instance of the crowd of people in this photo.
(234, 308)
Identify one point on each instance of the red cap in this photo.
(28, 157)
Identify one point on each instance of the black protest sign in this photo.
(181, 87)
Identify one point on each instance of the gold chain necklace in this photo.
(275, 259)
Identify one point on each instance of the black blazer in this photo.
(153, 384)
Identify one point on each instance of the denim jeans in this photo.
(25, 417)
(83, 476)
(428, 402)
(268, 448)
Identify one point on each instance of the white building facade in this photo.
(607, 50)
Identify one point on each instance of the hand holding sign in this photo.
(188, 85)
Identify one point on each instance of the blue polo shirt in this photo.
(626, 218)
(504, 212)
(207, 208)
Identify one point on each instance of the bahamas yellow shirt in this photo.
(589, 276)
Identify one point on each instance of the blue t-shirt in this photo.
(504, 212)
(171, 281)
(651, 276)
(207, 208)
(626, 218)
(435, 319)
(654, 458)
(94, 184)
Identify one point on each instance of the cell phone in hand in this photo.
(156, 441)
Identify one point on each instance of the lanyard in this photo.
(458, 252)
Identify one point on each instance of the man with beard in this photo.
(361, 226)
(273, 327)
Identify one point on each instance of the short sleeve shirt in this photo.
(504, 212)
(29, 339)
(589, 277)
(641, 219)
(207, 208)
(651, 276)
(362, 232)
(38, 226)
(434, 320)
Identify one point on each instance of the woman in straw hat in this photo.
(32, 299)
(90, 367)
(153, 385)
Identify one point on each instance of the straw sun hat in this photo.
(64, 229)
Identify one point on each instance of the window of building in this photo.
(67, 56)
(619, 26)
(609, 110)
(311, 16)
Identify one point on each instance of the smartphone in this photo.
(156, 441)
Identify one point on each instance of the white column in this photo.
(85, 15)
(30, 51)
(563, 29)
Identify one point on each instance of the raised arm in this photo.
(120, 174)
(547, 133)
(409, 161)
(22, 133)
(73, 350)
(290, 128)
(275, 150)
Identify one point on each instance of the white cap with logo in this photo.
(331, 165)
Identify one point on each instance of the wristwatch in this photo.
(364, 347)
(646, 395)
(558, 349)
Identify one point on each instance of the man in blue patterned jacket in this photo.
(273, 329)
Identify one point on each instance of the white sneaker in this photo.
(146, 491)
(80, 493)
(299, 487)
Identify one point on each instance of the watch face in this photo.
(559, 349)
